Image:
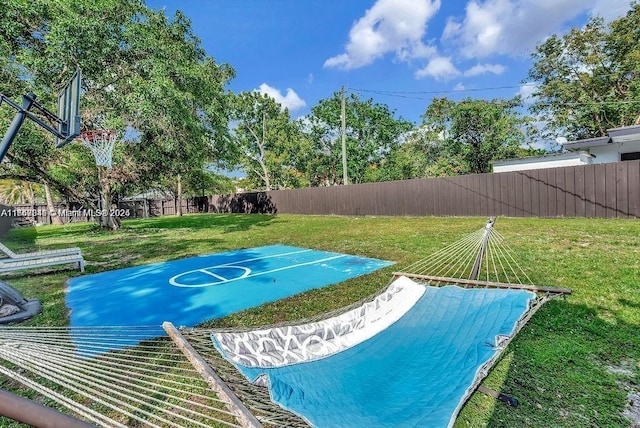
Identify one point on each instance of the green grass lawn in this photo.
(573, 365)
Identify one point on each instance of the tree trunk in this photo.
(106, 216)
(179, 203)
(265, 171)
(53, 213)
(31, 195)
(267, 182)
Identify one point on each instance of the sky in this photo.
(399, 52)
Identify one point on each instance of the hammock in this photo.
(415, 372)
(344, 370)
(444, 332)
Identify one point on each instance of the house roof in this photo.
(625, 130)
(614, 135)
(627, 133)
(586, 143)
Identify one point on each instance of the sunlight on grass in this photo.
(557, 365)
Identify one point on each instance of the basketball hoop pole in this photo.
(18, 120)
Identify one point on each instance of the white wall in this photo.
(542, 162)
(611, 152)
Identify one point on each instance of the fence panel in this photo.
(622, 191)
(579, 189)
(605, 190)
(633, 185)
(610, 190)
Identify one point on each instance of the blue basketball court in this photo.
(190, 291)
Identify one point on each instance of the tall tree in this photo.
(268, 142)
(183, 114)
(403, 162)
(468, 134)
(372, 130)
(588, 80)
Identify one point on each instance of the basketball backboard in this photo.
(69, 110)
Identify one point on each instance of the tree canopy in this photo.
(144, 74)
(372, 130)
(588, 80)
(147, 76)
(268, 143)
(463, 137)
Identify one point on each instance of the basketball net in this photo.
(101, 143)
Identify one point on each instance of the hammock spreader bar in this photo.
(485, 284)
(233, 403)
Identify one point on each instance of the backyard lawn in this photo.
(575, 364)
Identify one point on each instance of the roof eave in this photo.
(585, 144)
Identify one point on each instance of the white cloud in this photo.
(526, 92)
(390, 26)
(291, 100)
(459, 87)
(610, 9)
(479, 69)
(515, 27)
(440, 68)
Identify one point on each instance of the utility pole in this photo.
(343, 116)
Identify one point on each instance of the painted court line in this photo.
(229, 265)
(271, 256)
(268, 274)
(247, 271)
(173, 281)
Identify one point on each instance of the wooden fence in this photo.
(604, 190)
(25, 215)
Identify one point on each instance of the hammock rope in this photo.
(89, 370)
(456, 260)
(146, 385)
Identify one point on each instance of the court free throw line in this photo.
(173, 281)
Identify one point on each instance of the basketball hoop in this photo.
(101, 143)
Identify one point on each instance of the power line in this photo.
(487, 88)
(401, 94)
(398, 93)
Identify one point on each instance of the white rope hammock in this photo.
(148, 383)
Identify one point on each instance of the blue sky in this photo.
(300, 52)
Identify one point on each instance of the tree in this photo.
(184, 113)
(268, 142)
(588, 80)
(371, 132)
(465, 136)
(205, 182)
(143, 72)
(403, 162)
